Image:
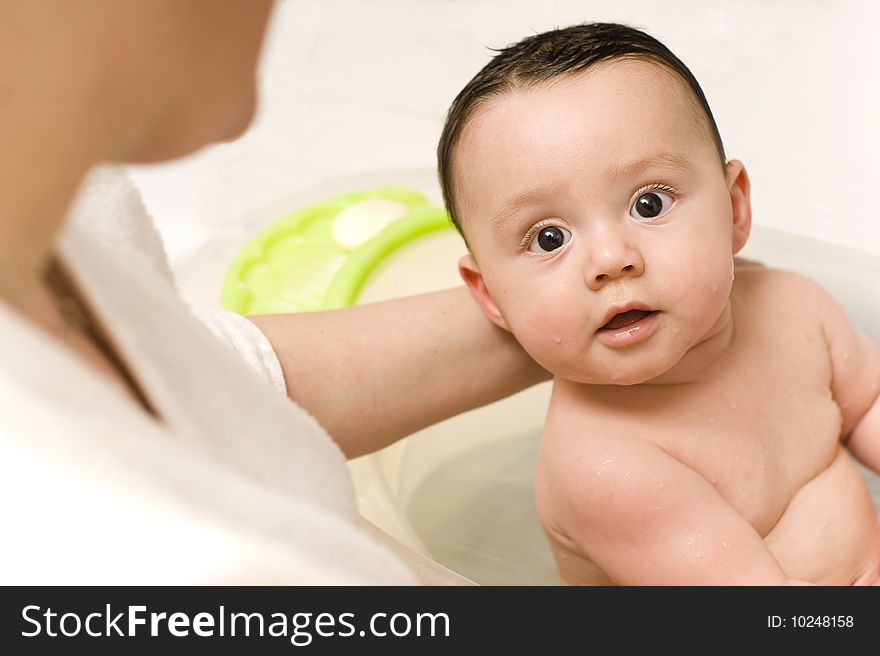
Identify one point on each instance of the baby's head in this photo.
(586, 173)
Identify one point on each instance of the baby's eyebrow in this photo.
(526, 198)
(672, 161)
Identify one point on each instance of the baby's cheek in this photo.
(712, 289)
(548, 336)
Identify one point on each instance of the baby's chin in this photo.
(624, 372)
(621, 378)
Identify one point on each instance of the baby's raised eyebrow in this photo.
(672, 161)
(516, 203)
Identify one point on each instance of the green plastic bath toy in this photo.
(320, 256)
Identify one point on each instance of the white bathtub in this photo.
(455, 500)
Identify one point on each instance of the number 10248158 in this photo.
(811, 622)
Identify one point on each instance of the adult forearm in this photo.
(375, 373)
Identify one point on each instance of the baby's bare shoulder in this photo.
(765, 278)
(591, 472)
(778, 287)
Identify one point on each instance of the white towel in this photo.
(236, 484)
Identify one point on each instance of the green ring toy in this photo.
(320, 256)
(347, 285)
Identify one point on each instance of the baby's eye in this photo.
(549, 238)
(650, 205)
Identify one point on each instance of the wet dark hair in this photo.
(553, 54)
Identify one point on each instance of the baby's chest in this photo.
(760, 435)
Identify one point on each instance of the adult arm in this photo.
(373, 374)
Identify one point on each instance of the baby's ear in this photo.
(740, 202)
(470, 273)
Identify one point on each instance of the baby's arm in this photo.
(645, 518)
(855, 381)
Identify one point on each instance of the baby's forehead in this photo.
(632, 90)
(610, 112)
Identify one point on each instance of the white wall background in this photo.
(352, 86)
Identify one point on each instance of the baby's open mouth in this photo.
(624, 319)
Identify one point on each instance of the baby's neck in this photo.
(703, 355)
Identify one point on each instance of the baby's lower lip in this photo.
(630, 334)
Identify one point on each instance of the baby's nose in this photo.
(610, 260)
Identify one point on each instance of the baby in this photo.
(704, 412)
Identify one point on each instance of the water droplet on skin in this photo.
(557, 339)
(725, 545)
(714, 480)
